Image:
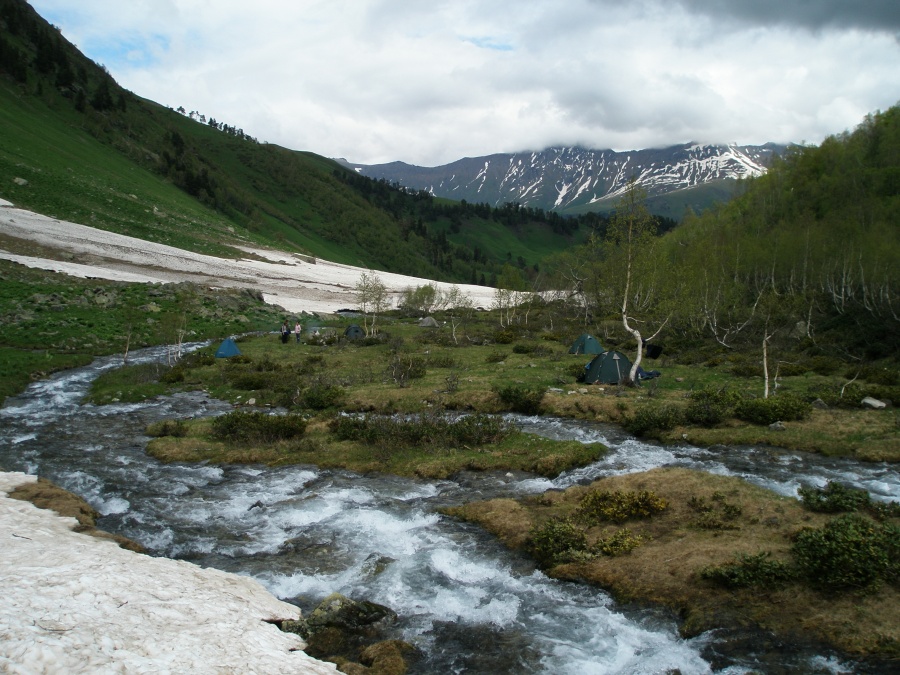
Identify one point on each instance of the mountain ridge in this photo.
(574, 179)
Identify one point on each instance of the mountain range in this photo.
(576, 180)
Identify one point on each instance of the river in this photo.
(468, 604)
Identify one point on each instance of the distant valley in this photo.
(575, 180)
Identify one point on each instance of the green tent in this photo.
(227, 349)
(586, 344)
(354, 332)
(607, 368)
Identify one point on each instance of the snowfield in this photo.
(73, 603)
(285, 279)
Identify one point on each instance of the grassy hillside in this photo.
(93, 152)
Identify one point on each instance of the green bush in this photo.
(525, 400)
(257, 427)
(883, 375)
(172, 375)
(833, 498)
(556, 541)
(495, 357)
(424, 430)
(504, 337)
(618, 506)
(321, 396)
(765, 411)
(750, 570)
(849, 552)
(823, 365)
(520, 348)
(649, 419)
(252, 381)
(746, 370)
(621, 542)
(175, 428)
(402, 368)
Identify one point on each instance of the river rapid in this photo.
(468, 604)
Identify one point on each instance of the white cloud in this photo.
(427, 83)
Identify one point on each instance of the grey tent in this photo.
(429, 322)
(607, 368)
(227, 349)
(354, 332)
(586, 344)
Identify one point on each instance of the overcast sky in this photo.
(431, 81)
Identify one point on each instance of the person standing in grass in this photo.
(285, 332)
(297, 330)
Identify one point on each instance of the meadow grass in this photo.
(678, 543)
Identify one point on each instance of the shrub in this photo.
(441, 361)
(321, 396)
(716, 514)
(833, 498)
(649, 419)
(172, 375)
(402, 368)
(251, 381)
(884, 375)
(520, 348)
(823, 365)
(746, 370)
(765, 411)
(504, 337)
(849, 552)
(749, 570)
(495, 357)
(175, 428)
(556, 541)
(619, 543)
(422, 430)
(525, 400)
(618, 506)
(257, 427)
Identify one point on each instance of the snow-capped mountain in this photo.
(566, 179)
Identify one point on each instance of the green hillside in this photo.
(84, 149)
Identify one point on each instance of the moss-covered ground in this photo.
(709, 521)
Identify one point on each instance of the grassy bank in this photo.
(412, 370)
(684, 556)
(53, 321)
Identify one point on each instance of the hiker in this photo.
(285, 332)
(297, 329)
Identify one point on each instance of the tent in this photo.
(227, 349)
(429, 322)
(607, 368)
(354, 332)
(586, 344)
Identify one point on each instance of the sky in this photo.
(431, 81)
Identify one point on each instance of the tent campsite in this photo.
(586, 344)
(354, 332)
(429, 322)
(607, 368)
(227, 349)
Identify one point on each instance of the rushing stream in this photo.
(466, 602)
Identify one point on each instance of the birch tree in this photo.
(372, 296)
(636, 272)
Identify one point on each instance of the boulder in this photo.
(873, 403)
(777, 426)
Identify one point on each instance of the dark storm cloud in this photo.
(874, 15)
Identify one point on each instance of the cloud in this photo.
(428, 83)
(873, 15)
